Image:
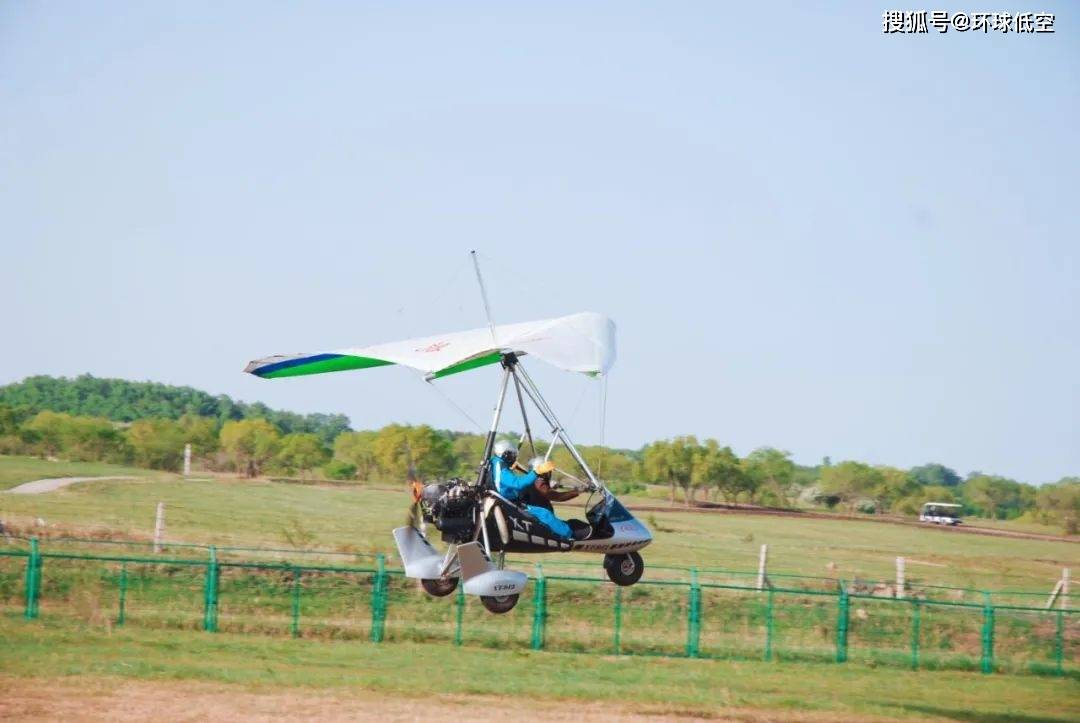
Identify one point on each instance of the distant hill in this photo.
(125, 401)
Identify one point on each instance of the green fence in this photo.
(708, 613)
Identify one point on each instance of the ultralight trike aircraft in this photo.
(479, 524)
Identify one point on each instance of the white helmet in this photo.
(506, 451)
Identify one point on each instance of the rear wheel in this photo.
(499, 605)
(624, 569)
(440, 587)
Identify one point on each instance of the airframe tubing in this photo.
(490, 443)
(549, 415)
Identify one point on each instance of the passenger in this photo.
(541, 493)
(513, 485)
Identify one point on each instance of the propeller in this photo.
(413, 518)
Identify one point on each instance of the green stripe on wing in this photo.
(335, 363)
(480, 361)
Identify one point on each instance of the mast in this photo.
(483, 295)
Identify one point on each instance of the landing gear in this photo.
(624, 569)
(440, 587)
(499, 605)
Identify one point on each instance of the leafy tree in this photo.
(91, 439)
(995, 497)
(301, 451)
(612, 465)
(913, 502)
(1059, 504)
(250, 443)
(201, 433)
(82, 439)
(358, 449)
(672, 463)
(11, 418)
(935, 474)
(851, 482)
(771, 469)
(608, 464)
(157, 443)
(896, 484)
(719, 467)
(398, 447)
(468, 450)
(120, 400)
(47, 431)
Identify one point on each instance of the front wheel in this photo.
(624, 569)
(499, 605)
(440, 587)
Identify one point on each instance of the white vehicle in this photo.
(478, 524)
(940, 513)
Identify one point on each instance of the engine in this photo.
(451, 506)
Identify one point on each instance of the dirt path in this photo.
(94, 698)
(48, 485)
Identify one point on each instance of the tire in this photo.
(499, 605)
(440, 587)
(624, 569)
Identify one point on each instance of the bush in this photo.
(339, 469)
(626, 488)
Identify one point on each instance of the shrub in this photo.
(339, 469)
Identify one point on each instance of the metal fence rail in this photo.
(693, 618)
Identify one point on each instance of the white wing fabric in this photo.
(582, 342)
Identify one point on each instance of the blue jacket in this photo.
(509, 483)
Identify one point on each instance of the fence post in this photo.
(842, 627)
(460, 613)
(539, 609)
(1059, 644)
(768, 625)
(916, 623)
(988, 636)
(617, 643)
(33, 580)
(378, 600)
(210, 596)
(693, 616)
(296, 602)
(123, 593)
(159, 526)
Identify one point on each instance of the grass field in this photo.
(244, 512)
(161, 651)
(39, 656)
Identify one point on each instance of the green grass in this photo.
(16, 470)
(243, 512)
(164, 608)
(693, 687)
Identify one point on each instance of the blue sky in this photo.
(811, 235)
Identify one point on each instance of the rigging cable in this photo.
(453, 404)
(603, 422)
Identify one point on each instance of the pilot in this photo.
(514, 485)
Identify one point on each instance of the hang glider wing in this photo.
(582, 342)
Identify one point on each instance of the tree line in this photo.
(279, 443)
(120, 400)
